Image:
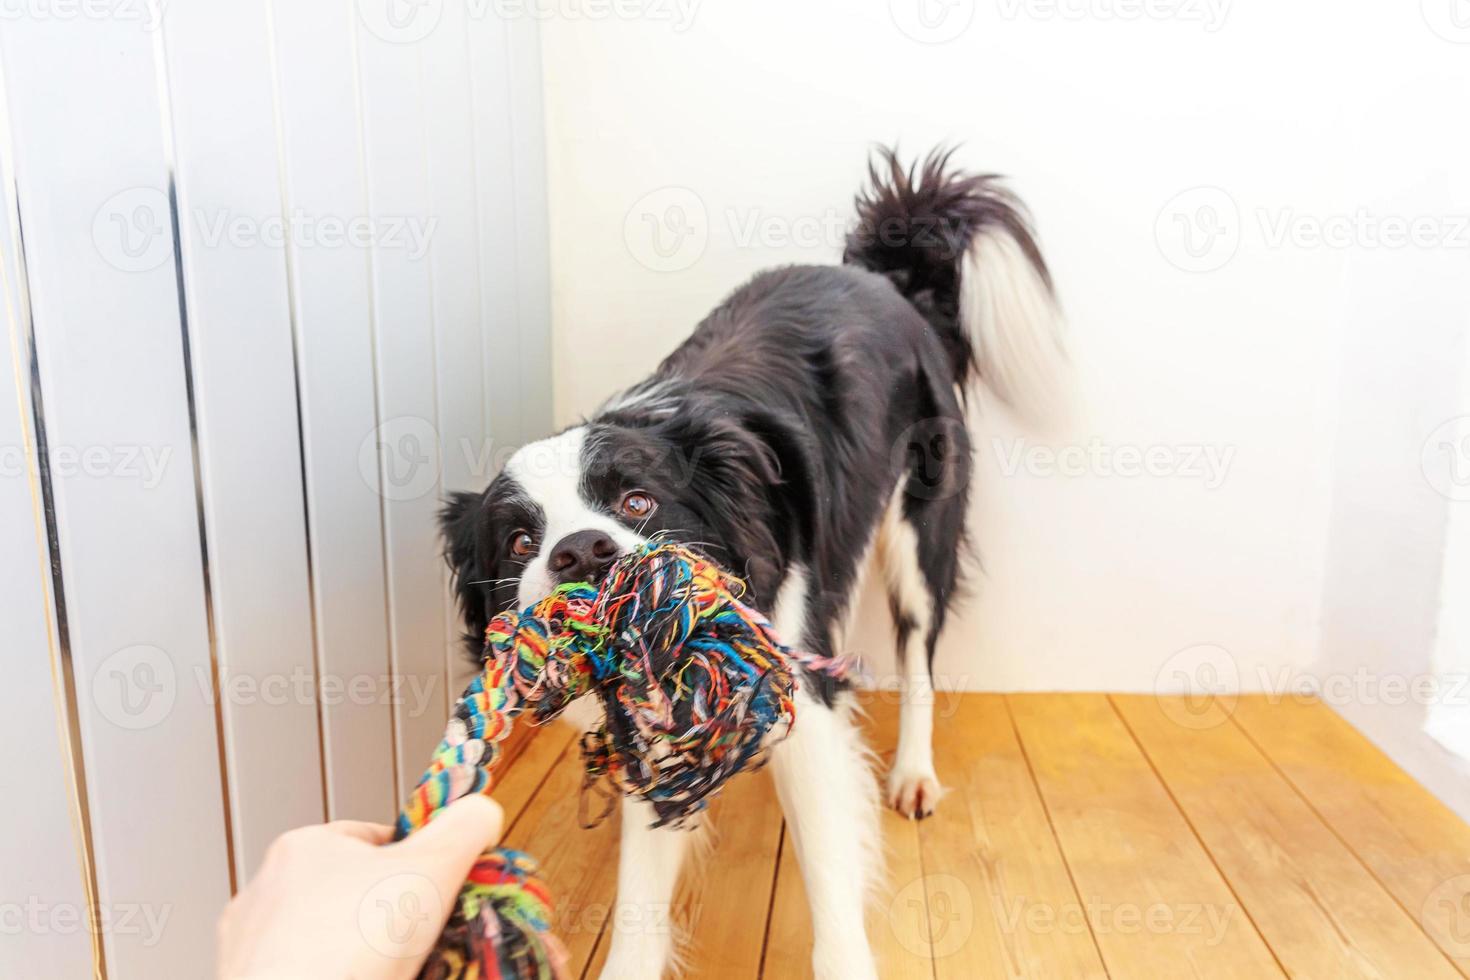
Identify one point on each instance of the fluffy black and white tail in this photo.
(961, 249)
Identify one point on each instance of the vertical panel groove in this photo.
(508, 60)
(22, 329)
(63, 678)
(441, 436)
(372, 304)
(479, 257)
(289, 254)
(165, 107)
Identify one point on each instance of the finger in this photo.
(373, 833)
(561, 960)
(459, 833)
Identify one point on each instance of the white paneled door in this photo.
(261, 264)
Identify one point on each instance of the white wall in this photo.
(1401, 467)
(1217, 186)
(767, 110)
(274, 279)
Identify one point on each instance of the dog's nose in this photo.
(581, 556)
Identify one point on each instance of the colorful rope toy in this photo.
(695, 688)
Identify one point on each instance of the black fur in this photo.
(777, 433)
(914, 226)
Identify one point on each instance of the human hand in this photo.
(338, 900)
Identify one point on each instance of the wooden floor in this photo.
(1082, 836)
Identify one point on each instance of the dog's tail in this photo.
(961, 249)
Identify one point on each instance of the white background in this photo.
(690, 147)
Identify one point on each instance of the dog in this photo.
(813, 424)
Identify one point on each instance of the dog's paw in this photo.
(913, 793)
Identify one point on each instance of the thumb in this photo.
(453, 839)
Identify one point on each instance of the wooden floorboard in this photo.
(1081, 836)
(515, 743)
(525, 769)
(736, 870)
(578, 865)
(1155, 901)
(1412, 843)
(1322, 913)
(996, 875)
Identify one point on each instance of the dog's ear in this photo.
(736, 475)
(458, 525)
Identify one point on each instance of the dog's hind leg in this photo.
(918, 552)
(913, 786)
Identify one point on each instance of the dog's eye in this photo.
(637, 505)
(521, 544)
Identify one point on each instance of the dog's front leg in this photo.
(831, 804)
(642, 922)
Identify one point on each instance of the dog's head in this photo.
(563, 509)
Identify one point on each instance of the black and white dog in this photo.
(813, 424)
